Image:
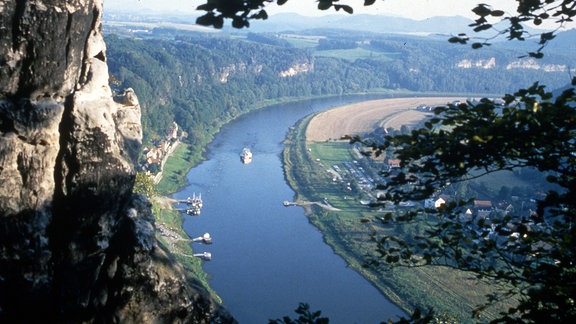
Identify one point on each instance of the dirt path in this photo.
(366, 116)
(310, 203)
(165, 202)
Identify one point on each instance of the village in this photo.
(497, 217)
(154, 157)
(505, 209)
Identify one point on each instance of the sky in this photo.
(415, 9)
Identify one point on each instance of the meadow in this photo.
(310, 170)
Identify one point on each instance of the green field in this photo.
(301, 42)
(355, 54)
(174, 172)
(171, 219)
(166, 216)
(348, 231)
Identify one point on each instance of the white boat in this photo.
(196, 205)
(246, 156)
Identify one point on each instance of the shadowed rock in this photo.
(75, 244)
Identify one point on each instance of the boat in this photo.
(195, 203)
(246, 156)
(194, 211)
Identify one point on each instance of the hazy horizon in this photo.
(413, 9)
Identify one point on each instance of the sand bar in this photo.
(365, 116)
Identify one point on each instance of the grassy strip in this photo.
(187, 156)
(183, 159)
(357, 53)
(179, 242)
(348, 232)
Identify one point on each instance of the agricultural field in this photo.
(351, 55)
(357, 53)
(325, 176)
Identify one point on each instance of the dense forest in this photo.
(202, 80)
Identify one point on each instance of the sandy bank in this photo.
(365, 116)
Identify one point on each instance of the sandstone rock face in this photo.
(75, 244)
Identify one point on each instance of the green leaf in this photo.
(324, 4)
(497, 13)
(218, 22)
(483, 27)
(238, 22)
(348, 9)
(481, 10)
(454, 39)
(262, 14)
(206, 20)
(537, 55)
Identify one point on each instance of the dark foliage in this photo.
(240, 13)
(533, 256)
(305, 317)
(532, 128)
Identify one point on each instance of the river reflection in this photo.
(267, 258)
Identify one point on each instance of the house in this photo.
(483, 208)
(439, 202)
(436, 203)
(173, 131)
(154, 154)
(393, 163)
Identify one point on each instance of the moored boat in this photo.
(196, 204)
(246, 156)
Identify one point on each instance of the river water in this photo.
(267, 258)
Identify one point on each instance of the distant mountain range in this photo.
(292, 22)
(362, 22)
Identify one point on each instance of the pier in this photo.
(324, 205)
(206, 256)
(195, 203)
(206, 239)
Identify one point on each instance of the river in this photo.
(267, 258)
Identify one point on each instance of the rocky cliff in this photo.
(75, 244)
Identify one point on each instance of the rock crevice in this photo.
(75, 244)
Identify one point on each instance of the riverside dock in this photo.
(195, 203)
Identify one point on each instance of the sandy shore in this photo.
(366, 116)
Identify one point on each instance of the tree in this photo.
(305, 317)
(144, 184)
(528, 11)
(533, 256)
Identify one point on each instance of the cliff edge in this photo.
(75, 244)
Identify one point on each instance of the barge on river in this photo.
(246, 156)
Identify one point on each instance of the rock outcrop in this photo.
(75, 244)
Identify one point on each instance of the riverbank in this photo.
(348, 231)
(184, 157)
(181, 165)
(365, 116)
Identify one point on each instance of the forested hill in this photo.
(203, 79)
(201, 82)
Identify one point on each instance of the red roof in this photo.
(482, 203)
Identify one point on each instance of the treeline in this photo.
(435, 65)
(202, 81)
